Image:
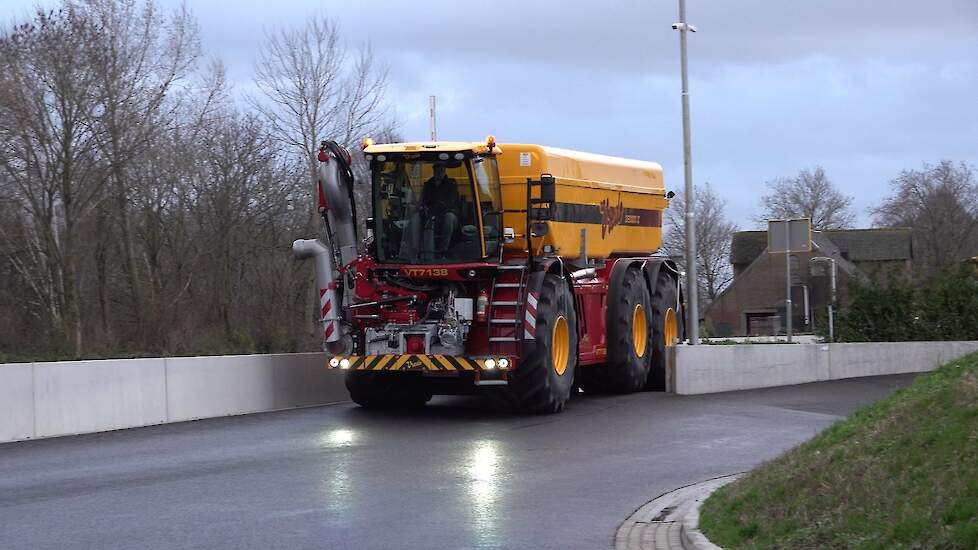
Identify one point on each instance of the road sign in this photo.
(797, 237)
(785, 237)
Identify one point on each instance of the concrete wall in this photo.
(16, 401)
(71, 397)
(50, 399)
(711, 369)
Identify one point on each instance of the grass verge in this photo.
(902, 472)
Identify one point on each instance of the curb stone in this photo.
(670, 521)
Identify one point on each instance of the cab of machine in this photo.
(436, 203)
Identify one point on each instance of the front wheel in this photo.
(543, 382)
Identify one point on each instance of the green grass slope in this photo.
(901, 473)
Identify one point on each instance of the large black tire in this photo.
(542, 383)
(663, 300)
(386, 391)
(629, 338)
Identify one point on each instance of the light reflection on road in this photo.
(484, 489)
(337, 438)
(336, 478)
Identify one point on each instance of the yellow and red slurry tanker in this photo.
(519, 270)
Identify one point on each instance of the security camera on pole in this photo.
(693, 319)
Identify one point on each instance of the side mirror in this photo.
(548, 188)
(670, 194)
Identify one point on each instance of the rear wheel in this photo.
(385, 391)
(629, 339)
(667, 323)
(543, 382)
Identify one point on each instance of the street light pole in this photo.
(431, 115)
(693, 315)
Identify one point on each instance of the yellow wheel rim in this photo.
(640, 330)
(670, 330)
(560, 345)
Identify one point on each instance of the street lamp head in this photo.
(684, 27)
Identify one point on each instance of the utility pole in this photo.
(787, 278)
(693, 315)
(431, 112)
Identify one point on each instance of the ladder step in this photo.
(502, 339)
(504, 321)
(508, 285)
(504, 303)
(508, 267)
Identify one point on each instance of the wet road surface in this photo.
(458, 474)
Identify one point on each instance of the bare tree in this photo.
(309, 92)
(940, 204)
(142, 58)
(48, 152)
(713, 235)
(142, 212)
(810, 194)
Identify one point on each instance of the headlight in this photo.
(344, 363)
(490, 363)
(334, 362)
(503, 363)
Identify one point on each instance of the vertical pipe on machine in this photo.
(325, 282)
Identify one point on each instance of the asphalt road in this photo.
(455, 475)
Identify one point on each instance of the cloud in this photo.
(863, 88)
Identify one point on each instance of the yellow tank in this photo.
(618, 202)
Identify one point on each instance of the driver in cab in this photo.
(440, 199)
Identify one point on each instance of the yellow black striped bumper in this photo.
(442, 363)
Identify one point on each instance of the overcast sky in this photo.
(863, 88)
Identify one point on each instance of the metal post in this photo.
(693, 316)
(787, 271)
(832, 303)
(431, 112)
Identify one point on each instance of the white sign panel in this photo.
(797, 238)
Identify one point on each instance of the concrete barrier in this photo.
(711, 369)
(206, 387)
(72, 397)
(50, 399)
(16, 401)
(873, 359)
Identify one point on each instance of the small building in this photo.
(754, 303)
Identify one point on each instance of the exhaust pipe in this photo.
(329, 306)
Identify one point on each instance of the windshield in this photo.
(427, 211)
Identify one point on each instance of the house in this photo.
(754, 303)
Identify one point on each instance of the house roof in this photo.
(859, 245)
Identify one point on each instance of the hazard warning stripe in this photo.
(530, 318)
(445, 363)
(384, 360)
(434, 363)
(400, 361)
(427, 362)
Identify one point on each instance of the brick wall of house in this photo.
(761, 289)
